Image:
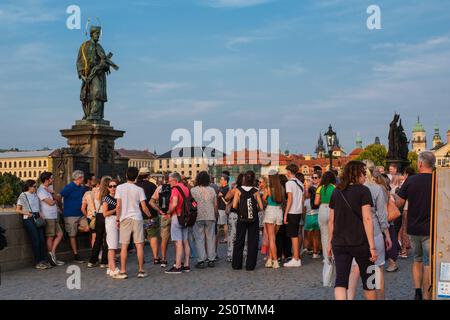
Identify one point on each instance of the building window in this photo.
(24, 174)
(29, 164)
(30, 174)
(20, 174)
(1, 164)
(198, 165)
(40, 163)
(35, 174)
(190, 173)
(35, 163)
(45, 163)
(15, 164)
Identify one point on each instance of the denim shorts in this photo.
(421, 249)
(177, 232)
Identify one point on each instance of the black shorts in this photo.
(293, 225)
(343, 257)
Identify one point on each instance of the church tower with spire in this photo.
(437, 140)
(359, 142)
(320, 148)
(419, 138)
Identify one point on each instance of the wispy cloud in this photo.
(289, 70)
(162, 87)
(233, 42)
(234, 3)
(26, 11)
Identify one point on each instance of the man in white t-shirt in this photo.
(129, 217)
(49, 210)
(293, 213)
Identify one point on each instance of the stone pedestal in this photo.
(91, 149)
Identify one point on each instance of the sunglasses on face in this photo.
(315, 178)
(112, 186)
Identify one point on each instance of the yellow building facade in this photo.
(26, 164)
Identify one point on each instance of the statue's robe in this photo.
(92, 59)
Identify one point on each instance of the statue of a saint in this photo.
(393, 152)
(92, 66)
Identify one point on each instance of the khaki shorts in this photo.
(52, 228)
(71, 224)
(130, 227)
(165, 228)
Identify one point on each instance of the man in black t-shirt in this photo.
(223, 219)
(153, 224)
(417, 191)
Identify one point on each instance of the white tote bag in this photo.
(328, 272)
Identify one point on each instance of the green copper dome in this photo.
(418, 127)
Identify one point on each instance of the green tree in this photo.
(10, 188)
(412, 157)
(375, 152)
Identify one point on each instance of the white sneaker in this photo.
(275, 264)
(108, 272)
(316, 256)
(269, 263)
(113, 273)
(293, 263)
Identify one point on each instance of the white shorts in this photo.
(380, 246)
(223, 218)
(273, 215)
(112, 233)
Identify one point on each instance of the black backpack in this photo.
(3, 242)
(188, 214)
(164, 197)
(248, 206)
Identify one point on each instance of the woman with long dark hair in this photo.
(232, 219)
(108, 193)
(28, 206)
(350, 230)
(380, 228)
(273, 217)
(205, 224)
(247, 202)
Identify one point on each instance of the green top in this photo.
(325, 193)
(271, 202)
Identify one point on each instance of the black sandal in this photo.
(156, 261)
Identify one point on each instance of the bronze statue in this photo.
(92, 66)
(398, 142)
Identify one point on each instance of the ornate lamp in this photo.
(330, 136)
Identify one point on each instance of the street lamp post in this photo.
(330, 135)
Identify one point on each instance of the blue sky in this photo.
(287, 64)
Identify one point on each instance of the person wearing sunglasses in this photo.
(312, 230)
(108, 188)
(29, 207)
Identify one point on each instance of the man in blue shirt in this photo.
(74, 219)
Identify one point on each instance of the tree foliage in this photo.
(375, 152)
(10, 188)
(412, 157)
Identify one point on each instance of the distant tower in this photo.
(437, 140)
(320, 148)
(419, 138)
(377, 140)
(359, 141)
(286, 151)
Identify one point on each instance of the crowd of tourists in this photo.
(358, 222)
